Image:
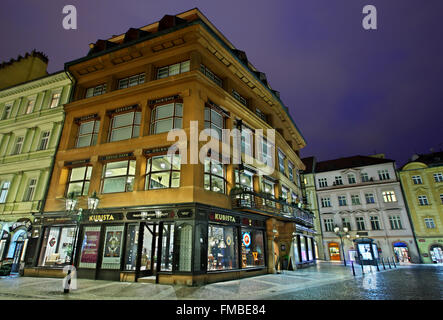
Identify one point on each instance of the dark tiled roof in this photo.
(33, 53)
(431, 159)
(349, 162)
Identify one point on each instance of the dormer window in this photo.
(131, 81)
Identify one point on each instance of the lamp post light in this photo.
(71, 203)
(340, 233)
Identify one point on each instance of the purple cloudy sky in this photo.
(349, 90)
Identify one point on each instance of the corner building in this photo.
(161, 219)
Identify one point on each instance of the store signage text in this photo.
(103, 217)
(116, 156)
(223, 217)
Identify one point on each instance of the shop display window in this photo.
(167, 247)
(184, 243)
(303, 249)
(252, 243)
(57, 246)
(112, 247)
(131, 247)
(295, 255)
(89, 247)
(310, 255)
(222, 247)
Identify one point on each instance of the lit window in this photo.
(220, 255)
(30, 106)
(125, 126)
(284, 193)
(267, 153)
(244, 179)
(44, 140)
(163, 171)
(173, 69)
(88, 133)
(57, 246)
(430, 223)
(389, 196)
(281, 161)
(247, 141)
(167, 117)
(214, 176)
(55, 100)
(96, 91)
(131, 81)
(78, 183)
(29, 194)
(268, 187)
(118, 176)
(214, 119)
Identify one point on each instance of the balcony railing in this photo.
(245, 199)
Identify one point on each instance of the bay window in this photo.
(118, 176)
(214, 119)
(214, 176)
(166, 117)
(163, 171)
(125, 126)
(57, 246)
(87, 133)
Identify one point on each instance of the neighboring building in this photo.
(363, 194)
(160, 216)
(310, 201)
(422, 182)
(31, 121)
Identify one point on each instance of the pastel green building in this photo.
(422, 182)
(31, 121)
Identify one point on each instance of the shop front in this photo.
(304, 248)
(334, 251)
(401, 251)
(184, 244)
(436, 253)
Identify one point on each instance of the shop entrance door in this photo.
(401, 252)
(149, 250)
(334, 251)
(17, 255)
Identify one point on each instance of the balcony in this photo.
(242, 199)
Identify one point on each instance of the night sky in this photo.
(350, 91)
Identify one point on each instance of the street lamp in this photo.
(340, 233)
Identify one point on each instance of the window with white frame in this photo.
(329, 225)
(290, 171)
(281, 161)
(7, 111)
(423, 200)
(346, 223)
(389, 196)
(284, 193)
(342, 201)
(375, 222)
(360, 221)
(207, 72)
(383, 174)
(214, 176)
(355, 199)
(322, 182)
(267, 153)
(364, 177)
(369, 198)
(4, 189)
(338, 181)
(165, 117)
(118, 176)
(125, 126)
(244, 179)
(438, 177)
(30, 106)
(55, 99)
(351, 178)
(215, 120)
(18, 146)
(29, 194)
(173, 69)
(247, 140)
(326, 202)
(163, 171)
(87, 133)
(79, 179)
(429, 222)
(44, 140)
(417, 180)
(268, 186)
(96, 91)
(131, 81)
(395, 222)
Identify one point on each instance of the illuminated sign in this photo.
(105, 217)
(247, 239)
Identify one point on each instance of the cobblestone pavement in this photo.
(325, 281)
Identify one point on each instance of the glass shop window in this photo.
(167, 247)
(131, 247)
(163, 172)
(89, 247)
(310, 255)
(112, 248)
(118, 176)
(222, 248)
(303, 249)
(184, 243)
(57, 246)
(253, 253)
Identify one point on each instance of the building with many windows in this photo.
(422, 182)
(31, 121)
(363, 194)
(162, 217)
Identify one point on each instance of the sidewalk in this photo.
(254, 288)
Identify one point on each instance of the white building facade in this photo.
(364, 195)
